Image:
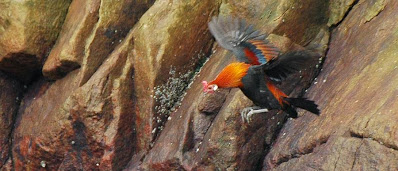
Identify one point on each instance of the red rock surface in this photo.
(10, 97)
(357, 94)
(127, 95)
(83, 127)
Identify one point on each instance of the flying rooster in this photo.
(262, 91)
(261, 66)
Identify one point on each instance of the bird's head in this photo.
(230, 77)
(209, 88)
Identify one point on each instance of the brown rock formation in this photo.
(28, 30)
(357, 93)
(83, 127)
(127, 94)
(68, 52)
(10, 97)
(172, 38)
(115, 19)
(68, 126)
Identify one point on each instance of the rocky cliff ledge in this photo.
(115, 85)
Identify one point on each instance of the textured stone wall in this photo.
(115, 85)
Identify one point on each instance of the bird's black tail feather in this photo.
(302, 103)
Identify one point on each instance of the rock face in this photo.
(357, 94)
(84, 127)
(68, 52)
(173, 26)
(121, 86)
(10, 97)
(72, 124)
(28, 30)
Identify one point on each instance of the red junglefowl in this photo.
(261, 66)
(251, 47)
(257, 86)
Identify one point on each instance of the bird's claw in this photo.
(247, 113)
(249, 116)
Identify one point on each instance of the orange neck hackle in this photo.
(231, 76)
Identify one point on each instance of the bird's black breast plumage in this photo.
(255, 88)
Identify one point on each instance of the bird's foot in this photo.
(249, 111)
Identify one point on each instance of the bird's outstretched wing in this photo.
(230, 32)
(235, 34)
(259, 51)
(279, 68)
